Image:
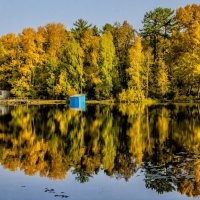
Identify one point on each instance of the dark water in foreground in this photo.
(108, 152)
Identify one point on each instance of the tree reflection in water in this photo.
(161, 140)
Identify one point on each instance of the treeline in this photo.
(162, 60)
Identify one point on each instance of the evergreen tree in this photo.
(157, 24)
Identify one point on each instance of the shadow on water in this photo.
(163, 141)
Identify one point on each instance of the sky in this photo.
(15, 15)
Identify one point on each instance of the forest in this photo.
(117, 62)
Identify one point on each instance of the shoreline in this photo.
(30, 102)
(105, 102)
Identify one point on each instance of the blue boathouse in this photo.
(78, 102)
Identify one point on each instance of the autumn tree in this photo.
(162, 79)
(147, 69)
(123, 40)
(135, 71)
(184, 55)
(2, 68)
(23, 85)
(135, 91)
(70, 77)
(90, 45)
(56, 37)
(9, 59)
(106, 67)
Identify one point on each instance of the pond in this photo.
(106, 152)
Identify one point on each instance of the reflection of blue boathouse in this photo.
(78, 102)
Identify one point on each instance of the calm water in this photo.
(108, 152)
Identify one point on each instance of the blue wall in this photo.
(78, 102)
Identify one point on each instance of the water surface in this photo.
(107, 152)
